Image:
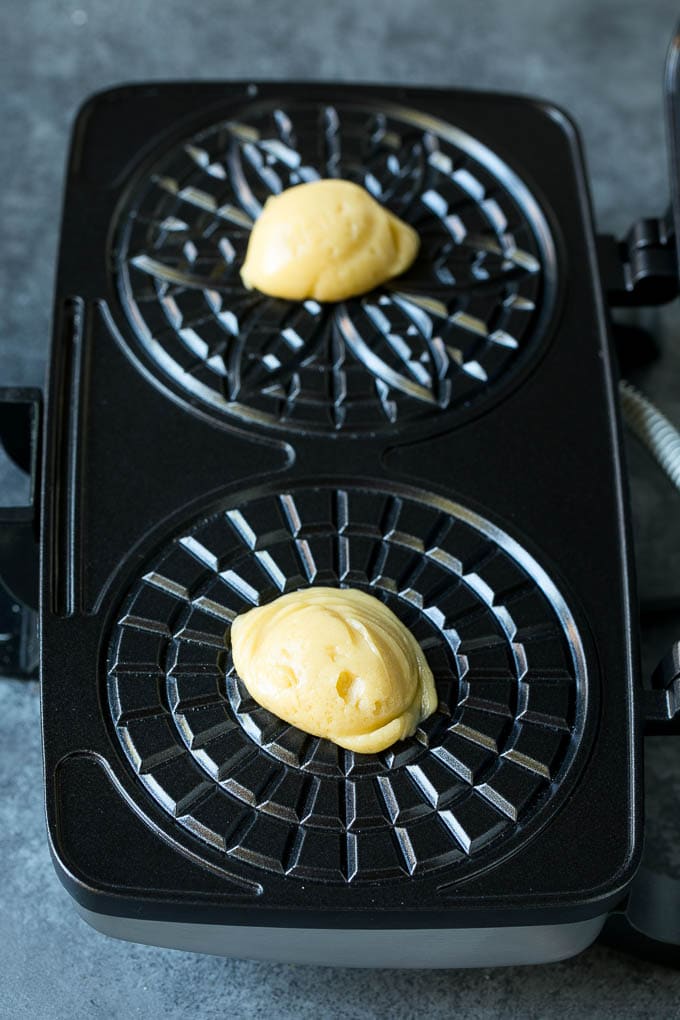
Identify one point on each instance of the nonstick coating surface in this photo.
(503, 647)
(168, 793)
(471, 310)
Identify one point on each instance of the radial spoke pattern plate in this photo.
(471, 309)
(503, 647)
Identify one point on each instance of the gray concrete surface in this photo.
(599, 59)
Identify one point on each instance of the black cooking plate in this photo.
(449, 443)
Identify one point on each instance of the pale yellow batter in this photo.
(337, 663)
(327, 240)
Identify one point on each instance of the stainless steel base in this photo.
(415, 948)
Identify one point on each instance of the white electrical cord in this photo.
(652, 428)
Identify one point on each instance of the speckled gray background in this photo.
(599, 59)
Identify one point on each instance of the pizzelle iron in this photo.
(449, 443)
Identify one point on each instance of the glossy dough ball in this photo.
(327, 240)
(336, 663)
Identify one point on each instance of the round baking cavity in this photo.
(468, 314)
(503, 647)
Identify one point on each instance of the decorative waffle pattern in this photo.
(473, 304)
(504, 650)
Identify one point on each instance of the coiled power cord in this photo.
(653, 429)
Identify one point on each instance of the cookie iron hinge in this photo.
(642, 269)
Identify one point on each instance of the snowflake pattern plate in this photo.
(471, 310)
(504, 649)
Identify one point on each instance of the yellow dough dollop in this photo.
(337, 663)
(327, 240)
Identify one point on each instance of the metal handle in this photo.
(647, 923)
(643, 268)
(672, 99)
(20, 414)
